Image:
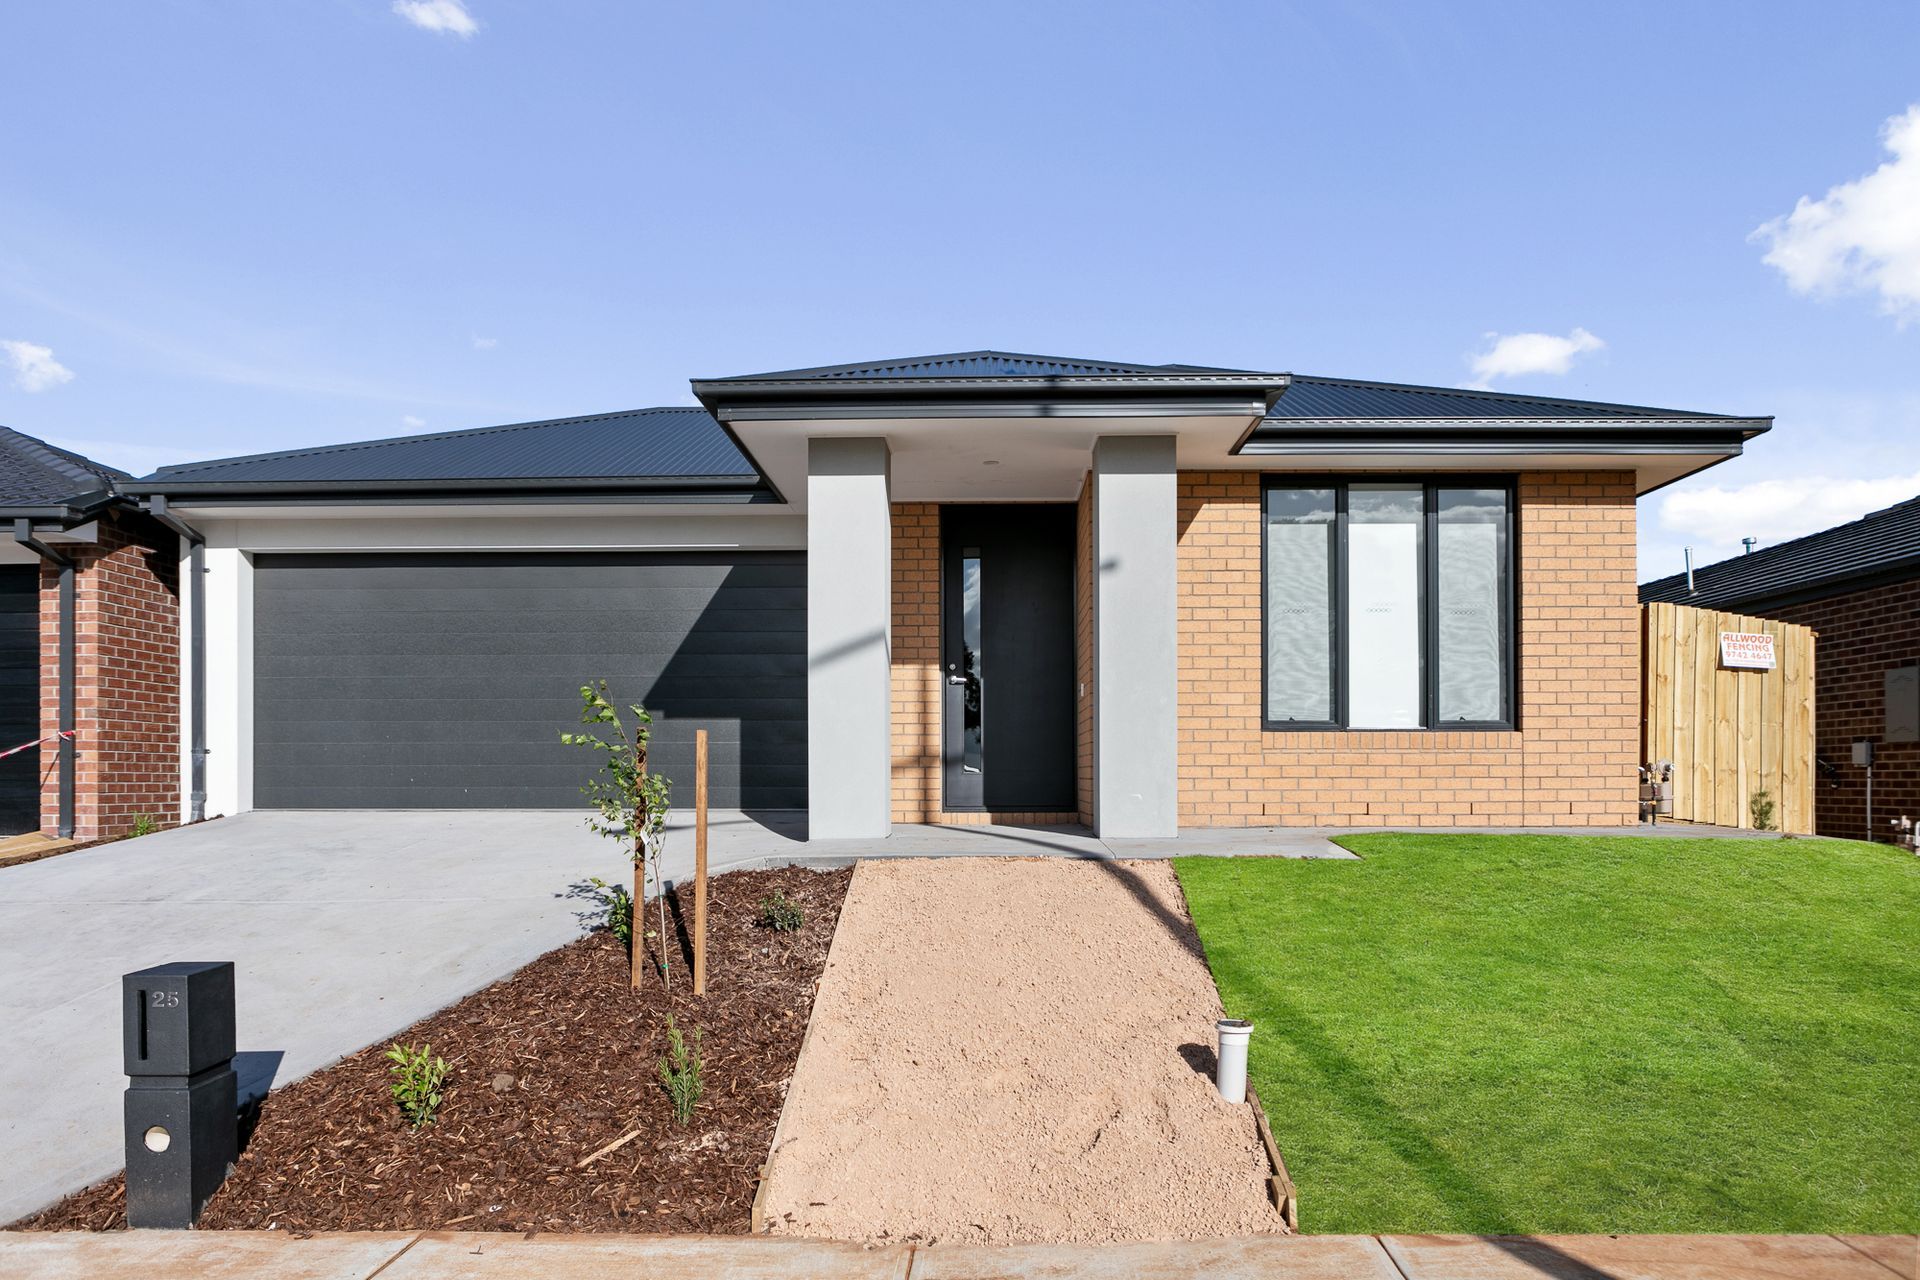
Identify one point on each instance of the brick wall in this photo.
(1862, 634)
(127, 680)
(1571, 760)
(916, 661)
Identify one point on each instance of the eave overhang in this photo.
(1674, 447)
(1078, 396)
(731, 489)
(66, 513)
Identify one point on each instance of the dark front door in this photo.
(1007, 657)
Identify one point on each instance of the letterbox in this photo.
(181, 1104)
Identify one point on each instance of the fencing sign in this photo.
(1747, 650)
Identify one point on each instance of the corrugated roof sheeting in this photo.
(976, 364)
(1309, 397)
(1874, 543)
(665, 443)
(35, 473)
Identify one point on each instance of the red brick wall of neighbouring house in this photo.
(127, 680)
(916, 676)
(1570, 761)
(1862, 635)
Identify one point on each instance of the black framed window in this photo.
(1387, 603)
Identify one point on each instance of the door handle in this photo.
(956, 679)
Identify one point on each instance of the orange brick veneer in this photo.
(127, 680)
(1569, 763)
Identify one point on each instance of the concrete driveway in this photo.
(346, 928)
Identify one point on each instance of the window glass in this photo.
(973, 708)
(1300, 532)
(1386, 523)
(1471, 588)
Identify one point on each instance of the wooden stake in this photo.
(637, 916)
(700, 862)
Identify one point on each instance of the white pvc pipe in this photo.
(1230, 1062)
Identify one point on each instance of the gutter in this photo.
(23, 534)
(156, 507)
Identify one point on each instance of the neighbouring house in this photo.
(954, 589)
(89, 649)
(1858, 586)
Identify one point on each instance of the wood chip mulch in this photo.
(549, 1066)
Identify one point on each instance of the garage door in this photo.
(443, 681)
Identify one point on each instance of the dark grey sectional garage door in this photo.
(415, 681)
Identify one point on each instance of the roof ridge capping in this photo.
(355, 446)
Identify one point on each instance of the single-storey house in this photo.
(89, 649)
(1858, 585)
(959, 588)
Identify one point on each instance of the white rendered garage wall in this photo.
(232, 541)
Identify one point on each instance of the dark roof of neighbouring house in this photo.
(1880, 547)
(44, 478)
(665, 448)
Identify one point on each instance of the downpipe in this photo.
(156, 507)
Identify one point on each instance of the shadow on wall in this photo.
(740, 672)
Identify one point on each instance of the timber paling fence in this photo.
(1729, 731)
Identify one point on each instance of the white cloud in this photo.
(1515, 355)
(34, 368)
(1773, 511)
(484, 344)
(1862, 236)
(410, 420)
(448, 17)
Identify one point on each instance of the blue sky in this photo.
(233, 227)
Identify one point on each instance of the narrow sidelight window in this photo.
(973, 708)
(1388, 604)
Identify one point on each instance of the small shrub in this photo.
(1760, 809)
(617, 901)
(419, 1079)
(144, 825)
(780, 913)
(680, 1071)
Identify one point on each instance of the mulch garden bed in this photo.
(548, 1067)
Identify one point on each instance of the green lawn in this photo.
(1545, 1033)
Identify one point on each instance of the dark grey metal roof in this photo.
(1880, 547)
(649, 448)
(974, 364)
(37, 475)
(1346, 399)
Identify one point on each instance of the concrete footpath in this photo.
(229, 1255)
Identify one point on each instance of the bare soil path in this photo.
(1006, 1050)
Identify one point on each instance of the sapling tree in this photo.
(630, 803)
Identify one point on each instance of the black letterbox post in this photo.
(182, 1115)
